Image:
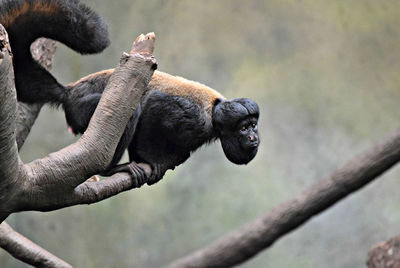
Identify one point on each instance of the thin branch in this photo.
(25, 250)
(91, 192)
(261, 233)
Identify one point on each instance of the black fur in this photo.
(169, 129)
(67, 21)
(164, 130)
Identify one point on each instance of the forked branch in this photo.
(52, 182)
(59, 180)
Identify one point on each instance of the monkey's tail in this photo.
(67, 21)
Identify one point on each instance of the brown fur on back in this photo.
(201, 94)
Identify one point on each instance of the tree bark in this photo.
(385, 254)
(52, 182)
(18, 246)
(261, 233)
(9, 159)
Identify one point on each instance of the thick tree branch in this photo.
(25, 250)
(88, 192)
(51, 181)
(258, 235)
(9, 158)
(43, 51)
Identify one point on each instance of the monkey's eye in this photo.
(253, 125)
(243, 129)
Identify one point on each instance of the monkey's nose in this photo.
(251, 138)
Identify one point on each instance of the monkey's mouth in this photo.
(254, 144)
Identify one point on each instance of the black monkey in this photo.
(174, 118)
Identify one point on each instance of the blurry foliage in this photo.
(326, 77)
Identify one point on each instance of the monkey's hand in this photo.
(140, 173)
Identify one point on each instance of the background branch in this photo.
(385, 254)
(258, 235)
(25, 250)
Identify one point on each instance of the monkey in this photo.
(175, 117)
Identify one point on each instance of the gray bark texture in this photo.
(255, 236)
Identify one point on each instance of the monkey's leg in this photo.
(79, 111)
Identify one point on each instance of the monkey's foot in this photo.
(144, 44)
(139, 172)
(157, 174)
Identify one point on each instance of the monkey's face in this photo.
(236, 123)
(241, 145)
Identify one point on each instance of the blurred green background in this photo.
(326, 77)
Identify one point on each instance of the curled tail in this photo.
(67, 21)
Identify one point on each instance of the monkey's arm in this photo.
(139, 175)
(79, 113)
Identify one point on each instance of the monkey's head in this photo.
(235, 122)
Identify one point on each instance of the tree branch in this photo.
(50, 182)
(25, 250)
(43, 51)
(261, 233)
(91, 192)
(88, 192)
(9, 158)
(385, 254)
